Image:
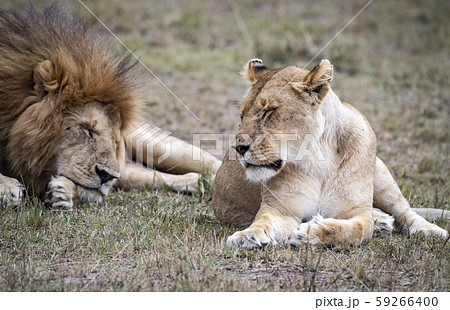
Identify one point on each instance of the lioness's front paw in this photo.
(11, 191)
(250, 238)
(60, 193)
(306, 232)
(383, 223)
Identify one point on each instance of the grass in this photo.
(391, 63)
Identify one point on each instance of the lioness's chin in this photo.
(262, 173)
(259, 174)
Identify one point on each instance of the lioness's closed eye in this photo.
(307, 169)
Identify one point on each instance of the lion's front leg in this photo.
(135, 177)
(156, 149)
(11, 191)
(61, 193)
(269, 227)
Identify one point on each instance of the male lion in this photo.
(67, 103)
(313, 162)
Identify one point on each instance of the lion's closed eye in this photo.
(268, 112)
(89, 132)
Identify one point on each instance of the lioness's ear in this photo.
(253, 69)
(44, 78)
(320, 75)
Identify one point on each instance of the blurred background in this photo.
(391, 62)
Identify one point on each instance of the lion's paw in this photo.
(192, 184)
(383, 224)
(60, 193)
(250, 238)
(185, 183)
(428, 230)
(11, 191)
(306, 232)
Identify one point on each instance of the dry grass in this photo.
(391, 63)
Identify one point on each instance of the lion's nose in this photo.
(242, 149)
(104, 175)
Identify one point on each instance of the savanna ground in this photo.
(391, 62)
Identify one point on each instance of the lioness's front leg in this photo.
(346, 196)
(329, 231)
(270, 227)
(135, 177)
(61, 193)
(11, 190)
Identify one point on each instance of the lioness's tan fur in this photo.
(322, 191)
(67, 104)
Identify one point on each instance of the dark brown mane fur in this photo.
(84, 69)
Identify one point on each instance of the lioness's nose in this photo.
(242, 149)
(104, 175)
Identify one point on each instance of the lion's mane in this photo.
(83, 69)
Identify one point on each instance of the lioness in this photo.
(67, 105)
(312, 160)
